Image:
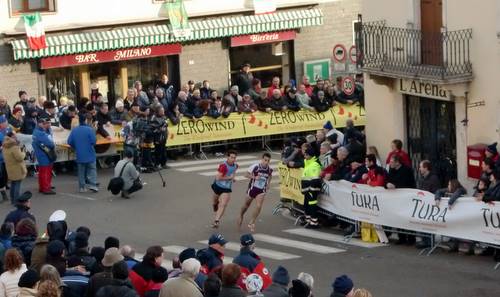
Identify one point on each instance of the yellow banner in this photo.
(290, 183)
(255, 124)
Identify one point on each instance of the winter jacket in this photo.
(25, 245)
(82, 139)
(141, 277)
(41, 136)
(14, 159)
(304, 100)
(100, 280)
(233, 291)
(320, 105)
(210, 260)
(102, 120)
(249, 106)
(292, 103)
(182, 286)
(244, 82)
(493, 193)
(429, 183)
(76, 282)
(250, 262)
(39, 253)
(27, 292)
(356, 175)
(402, 177)
(376, 176)
(20, 213)
(9, 281)
(452, 196)
(66, 120)
(405, 158)
(119, 289)
(116, 116)
(16, 124)
(277, 104)
(276, 290)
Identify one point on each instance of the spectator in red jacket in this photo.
(397, 149)
(141, 275)
(376, 174)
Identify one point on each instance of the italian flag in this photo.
(35, 31)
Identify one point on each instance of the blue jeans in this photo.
(87, 174)
(15, 190)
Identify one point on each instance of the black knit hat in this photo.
(28, 279)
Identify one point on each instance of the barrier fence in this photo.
(208, 132)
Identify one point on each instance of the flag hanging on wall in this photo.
(35, 31)
(178, 18)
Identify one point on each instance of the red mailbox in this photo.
(475, 157)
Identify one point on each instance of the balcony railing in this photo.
(410, 53)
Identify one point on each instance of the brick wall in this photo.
(16, 76)
(313, 43)
(205, 60)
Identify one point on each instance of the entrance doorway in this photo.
(431, 20)
(431, 134)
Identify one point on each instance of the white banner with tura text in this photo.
(413, 209)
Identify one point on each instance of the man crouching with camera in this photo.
(125, 169)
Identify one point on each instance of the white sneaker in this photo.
(93, 189)
(83, 190)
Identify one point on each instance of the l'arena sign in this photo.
(423, 89)
(111, 56)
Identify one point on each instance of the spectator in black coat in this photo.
(205, 90)
(67, 117)
(493, 192)
(319, 102)
(103, 119)
(429, 181)
(292, 102)
(244, 79)
(276, 102)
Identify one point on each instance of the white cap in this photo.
(119, 103)
(58, 215)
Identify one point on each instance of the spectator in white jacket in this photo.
(14, 268)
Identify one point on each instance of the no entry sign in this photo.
(339, 53)
(348, 85)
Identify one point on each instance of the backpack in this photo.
(116, 183)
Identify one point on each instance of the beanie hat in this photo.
(28, 279)
(328, 125)
(281, 276)
(299, 289)
(111, 241)
(81, 240)
(253, 283)
(492, 148)
(187, 254)
(55, 248)
(342, 284)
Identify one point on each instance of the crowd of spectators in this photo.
(331, 154)
(62, 263)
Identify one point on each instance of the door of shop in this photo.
(107, 77)
(431, 17)
(431, 134)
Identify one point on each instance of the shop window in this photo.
(62, 82)
(267, 61)
(27, 6)
(147, 71)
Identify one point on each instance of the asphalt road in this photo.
(180, 215)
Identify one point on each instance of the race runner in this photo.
(260, 175)
(222, 186)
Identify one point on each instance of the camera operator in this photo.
(160, 134)
(143, 129)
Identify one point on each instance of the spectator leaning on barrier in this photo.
(397, 149)
(277, 102)
(493, 192)
(320, 103)
(233, 96)
(454, 191)
(246, 104)
(376, 174)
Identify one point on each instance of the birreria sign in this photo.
(413, 209)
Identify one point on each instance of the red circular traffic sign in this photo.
(348, 85)
(339, 53)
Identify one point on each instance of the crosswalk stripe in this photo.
(242, 165)
(310, 247)
(271, 254)
(176, 249)
(332, 237)
(165, 263)
(199, 162)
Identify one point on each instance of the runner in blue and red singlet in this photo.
(260, 175)
(222, 186)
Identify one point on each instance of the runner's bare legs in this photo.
(243, 210)
(223, 201)
(259, 200)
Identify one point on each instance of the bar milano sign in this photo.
(423, 89)
(111, 56)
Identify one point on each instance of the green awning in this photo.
(58, 45)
